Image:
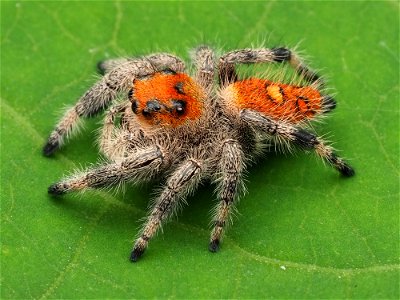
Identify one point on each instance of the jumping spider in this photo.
(166, 124)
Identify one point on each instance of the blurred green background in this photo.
(302, 231)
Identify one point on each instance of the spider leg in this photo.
(227, 73)
(231, 166)
(204, 60)
(185, 178)
(97, 98)
(287, 132)
(142, 165)
(105, 66)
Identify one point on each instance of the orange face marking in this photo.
(167, 99)
(278, 100)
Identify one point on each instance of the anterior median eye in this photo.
(179, 106)
(153, 105)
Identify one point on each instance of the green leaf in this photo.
(302, 231)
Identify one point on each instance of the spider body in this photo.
(185, 129)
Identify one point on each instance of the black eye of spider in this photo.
(179, 106)
(153, 105)
(134, 107)
(130, 94)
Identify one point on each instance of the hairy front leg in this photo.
(98, 97)
(185, 177)
(142, 165)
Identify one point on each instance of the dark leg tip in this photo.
(136, 254)
(56, 189)
(213, 246)
(341, 166)
(281, 54)
(101, 68)
(50, 148)
(347, 171)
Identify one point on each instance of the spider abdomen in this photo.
(278, 100)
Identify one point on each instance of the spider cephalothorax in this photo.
(167, 98)
(185, 129)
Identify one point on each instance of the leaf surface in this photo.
(302, 231)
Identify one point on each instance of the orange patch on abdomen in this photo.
(278, 100)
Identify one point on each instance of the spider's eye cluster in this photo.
(166, 98)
